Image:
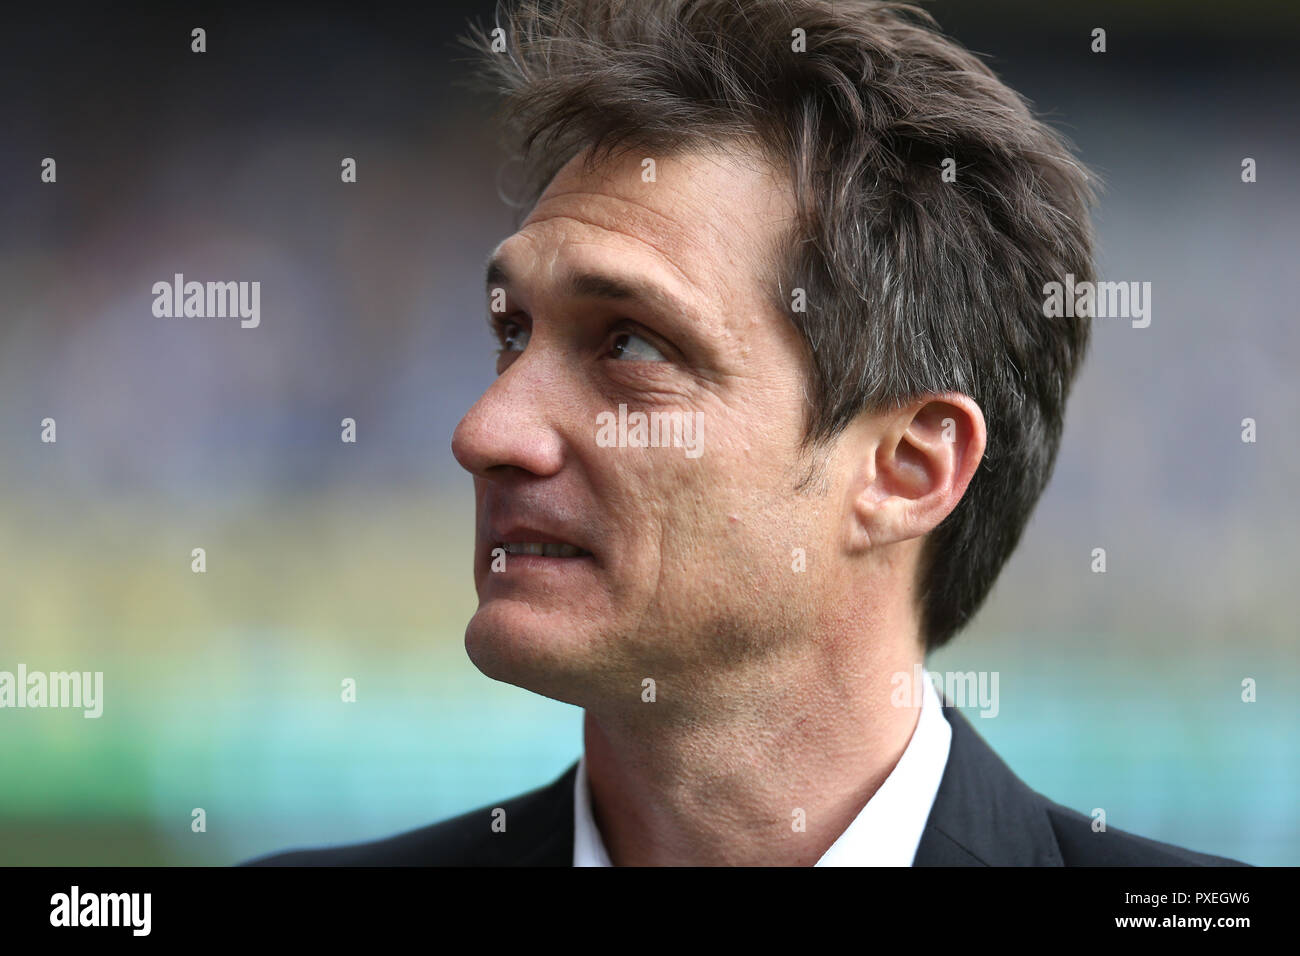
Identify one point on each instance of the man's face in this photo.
(656, 296)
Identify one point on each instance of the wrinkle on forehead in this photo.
(655, 246)
(717, 205)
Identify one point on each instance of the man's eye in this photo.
(514, 337)
(632, 347)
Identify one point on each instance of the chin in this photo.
(508, 643)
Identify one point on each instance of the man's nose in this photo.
(513, 424)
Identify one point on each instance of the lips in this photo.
(522, 540)
(543, 549)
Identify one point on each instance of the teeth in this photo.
(542, 550)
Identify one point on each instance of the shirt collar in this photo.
(885, 833)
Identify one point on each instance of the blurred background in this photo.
(328, 560)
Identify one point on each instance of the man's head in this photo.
(747, 218)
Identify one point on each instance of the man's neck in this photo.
(772, 775)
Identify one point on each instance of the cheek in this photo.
(686, 525)
(726, 528)
(779, 537)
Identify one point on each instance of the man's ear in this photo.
(917, 468)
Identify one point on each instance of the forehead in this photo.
(702, 215)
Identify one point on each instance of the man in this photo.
(776, 396)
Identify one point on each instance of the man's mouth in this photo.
(544, 549)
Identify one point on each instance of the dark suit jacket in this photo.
(983, 815)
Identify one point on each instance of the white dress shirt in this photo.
(886, 832)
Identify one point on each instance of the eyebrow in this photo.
(599, 285)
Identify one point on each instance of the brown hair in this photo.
(914, 285)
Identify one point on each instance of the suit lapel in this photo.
(983, 814)
(549, 823)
